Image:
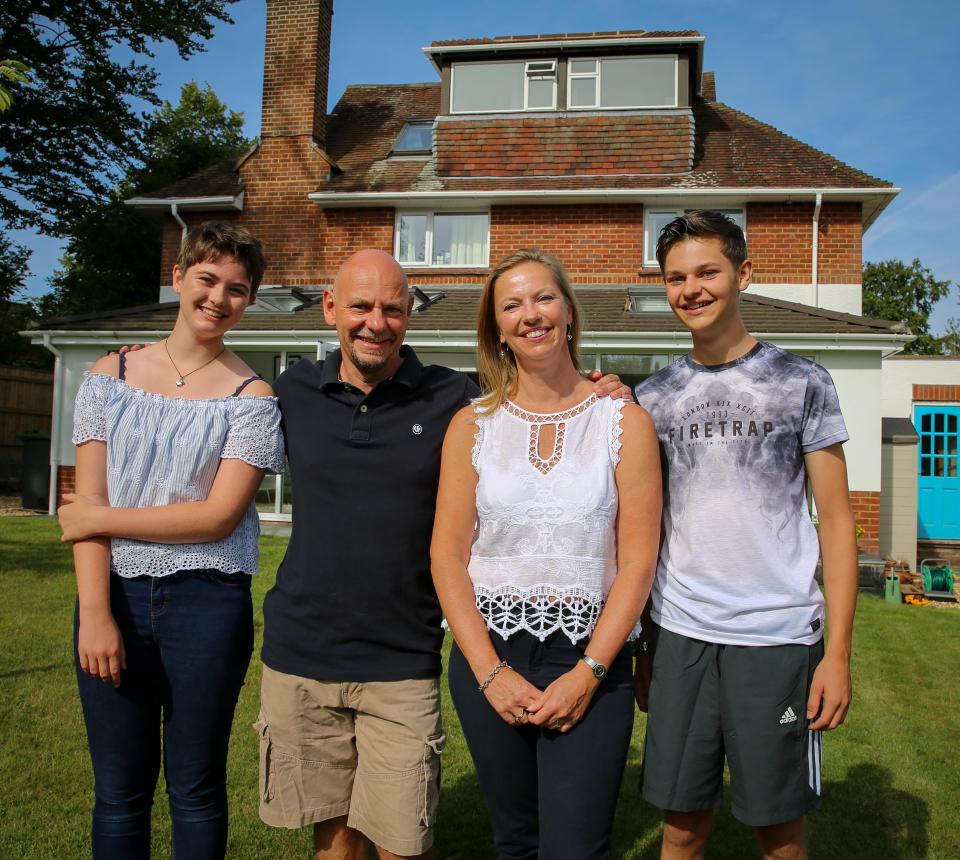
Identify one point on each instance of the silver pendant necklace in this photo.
(181, 377)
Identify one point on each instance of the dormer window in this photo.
(622, 82)
(503, 86)
(416, 138)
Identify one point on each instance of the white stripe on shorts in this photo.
(814, 753)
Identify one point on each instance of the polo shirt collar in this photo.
(408, 375)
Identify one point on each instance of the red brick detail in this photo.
(780, 239)
(66, 481)
(866, 512)
(296, 68)
(597, 244)
(564, 146)
(937, 393)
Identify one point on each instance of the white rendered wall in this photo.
(902, 372)
(845, 298)
(857, 376)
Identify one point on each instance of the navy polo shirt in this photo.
(353, 599)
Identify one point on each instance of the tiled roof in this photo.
(731, 150)
(217, 180)
(558, 37)
(563, 145)
(604, 311)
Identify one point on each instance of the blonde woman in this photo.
(544, 549)
(172, 442)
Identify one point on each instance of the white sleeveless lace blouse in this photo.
(544, 553)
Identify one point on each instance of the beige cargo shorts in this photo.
(370, 751)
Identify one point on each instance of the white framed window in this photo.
(442, 238)
(622, 82)
(654, 220)
(503, 86)
(414, 138)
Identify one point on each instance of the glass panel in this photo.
(925, 423)
(583, 92)
(582, 67)
(487, 86)
(540, 92)
(460, 240)
(937, 444)
(415, 136)
(267, 494)
(656, 221)
(951, 445)
(951, 423)
(286, 496)
(633, 369)
(951, 467)
(412, 243)
(925, 445)
(925, 467)
(938, 422)
(637, 81)
(938, 467)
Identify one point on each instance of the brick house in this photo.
(582, 144)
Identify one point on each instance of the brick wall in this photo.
(66, 481)
(866, 511)
(937, 393)
(597, 244)
(780, 236)
(295, 69)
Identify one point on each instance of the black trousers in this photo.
(551, 796)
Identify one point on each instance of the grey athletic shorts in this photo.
(743, 703)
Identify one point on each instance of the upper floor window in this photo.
(512, 85)
(416, 138)
(622, 82)
(656, 219)
(442, 238)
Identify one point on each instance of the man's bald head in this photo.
(371, 264)
(370, 305)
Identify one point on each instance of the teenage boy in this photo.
(739, 669)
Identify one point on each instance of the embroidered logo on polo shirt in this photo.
(417, 429)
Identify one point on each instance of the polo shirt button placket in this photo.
(360, 428)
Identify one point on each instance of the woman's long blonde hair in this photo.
(496, 365)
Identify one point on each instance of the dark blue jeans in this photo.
(551, 796)
(188, 640)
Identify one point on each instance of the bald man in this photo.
(350, 731)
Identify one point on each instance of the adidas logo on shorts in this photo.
(788, 717)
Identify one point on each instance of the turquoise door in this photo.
(938, 481)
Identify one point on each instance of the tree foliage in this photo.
(893, 290)
(73, 130)
(16, 316)
(112, 258)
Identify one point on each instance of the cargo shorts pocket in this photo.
(430, 778)
(267, 775)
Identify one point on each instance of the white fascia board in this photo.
(557, 44)
(233, 201)
(350, 199)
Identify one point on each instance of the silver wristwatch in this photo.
(598, 669)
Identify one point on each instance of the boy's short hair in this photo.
(704, 224)
(214, 239)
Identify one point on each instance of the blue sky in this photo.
(871, 83)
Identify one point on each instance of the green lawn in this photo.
(891, 774)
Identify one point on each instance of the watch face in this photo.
(599, 671)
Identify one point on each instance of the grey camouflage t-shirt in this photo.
(739, 550)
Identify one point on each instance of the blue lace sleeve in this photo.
(89, 419)
(254, 435)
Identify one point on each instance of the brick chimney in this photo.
(296, 68)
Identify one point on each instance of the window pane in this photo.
(938, 422)
(951, 423)
(460, 240)
(415, 135)
(925, 466)
(412, 243)
(633, 369)
(488, 86)
(656, 221)
(580, 67)
(925, 423)
(583, 92)
(637, 81)
(540, 93)
(951, 467)
(925, 445)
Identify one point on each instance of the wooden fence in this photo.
(26, 404)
